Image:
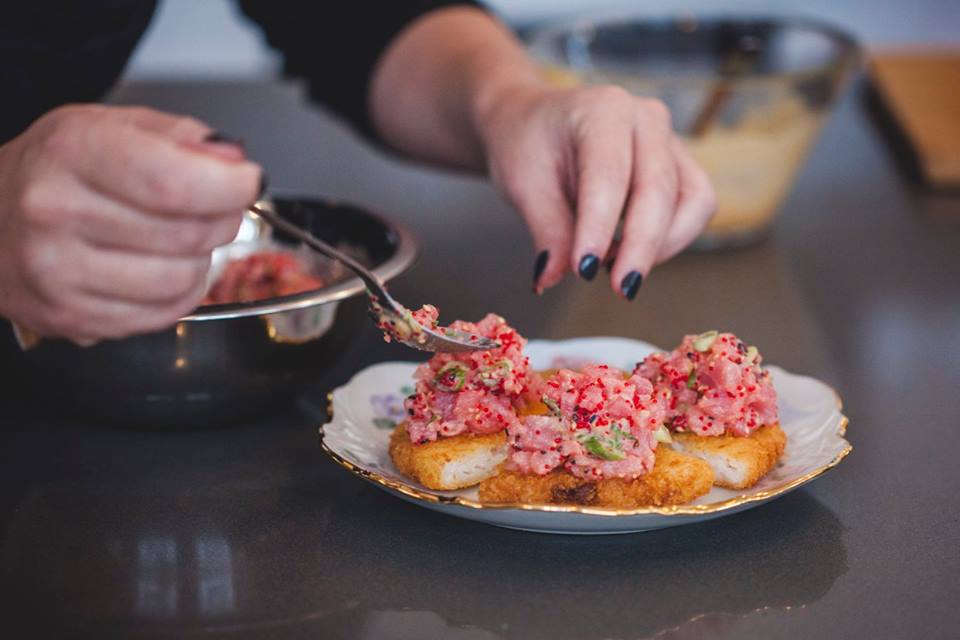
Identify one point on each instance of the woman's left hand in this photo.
(577, 161)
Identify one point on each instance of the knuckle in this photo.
(603, 97)
(609, 93)
(65, 114)
(63, 137)
(656, 111)
(42, 265)
(39, 205)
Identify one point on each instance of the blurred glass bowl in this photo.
(749, 96)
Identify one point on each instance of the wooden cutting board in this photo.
(921, 91)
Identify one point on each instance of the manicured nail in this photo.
(589, 264)
(630, 284)
(264, 183)
(538, 268)
(216, 136)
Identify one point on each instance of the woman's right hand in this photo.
(108, 217)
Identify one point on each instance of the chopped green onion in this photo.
(704, 341)
(595, 447)
(451, 377)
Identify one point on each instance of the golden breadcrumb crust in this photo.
(756, 454)
(674, 479)
(425, 463)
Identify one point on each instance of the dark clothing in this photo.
(54, 52)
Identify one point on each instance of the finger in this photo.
(604, 161)
(539, 197)
(649, 209)
(109, 224)
(111, 318)
(189, 132)
(695, 206)
(136, 278)
(153, 173)
(178, 128)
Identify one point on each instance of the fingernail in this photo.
(538, 267)
(630, 284)
(216, 136)
(589, 264)
(264, 184)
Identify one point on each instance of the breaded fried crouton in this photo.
(674, 479)
(449, 462)
(738, 462)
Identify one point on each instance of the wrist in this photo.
(498, 85)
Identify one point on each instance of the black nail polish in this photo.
(540, 265)
(216, 136)
(264, 184)
(589, 264)
(630, 284)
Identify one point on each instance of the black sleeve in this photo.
(57, 51)
(335, 46)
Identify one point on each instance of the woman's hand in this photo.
(577, 161)
(108, 216)
(457, 88)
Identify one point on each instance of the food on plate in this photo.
(265, 274)
(451, 462)
(597, 445)
(663, 434)
(738, 462)
(720, 405)
(674, 479)
(462, 404)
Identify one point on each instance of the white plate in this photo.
(369, 406)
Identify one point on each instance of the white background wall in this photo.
(210, 39)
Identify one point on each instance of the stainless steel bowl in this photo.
(222, 363)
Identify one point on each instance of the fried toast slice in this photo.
(448, 463)
(675, 479)
(738, 462)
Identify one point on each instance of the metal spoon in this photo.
(390, 315)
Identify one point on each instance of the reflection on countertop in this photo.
(249, 532)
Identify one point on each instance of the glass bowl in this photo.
(747, 95)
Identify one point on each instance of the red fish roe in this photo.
(717, 388)
(471, 392)
(595, 428)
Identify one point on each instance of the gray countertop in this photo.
(250, 532)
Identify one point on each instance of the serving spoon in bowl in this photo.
(391, 316)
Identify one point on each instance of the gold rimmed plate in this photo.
(365, 411)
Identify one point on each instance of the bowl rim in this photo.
(852, 51)
(408, 249)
